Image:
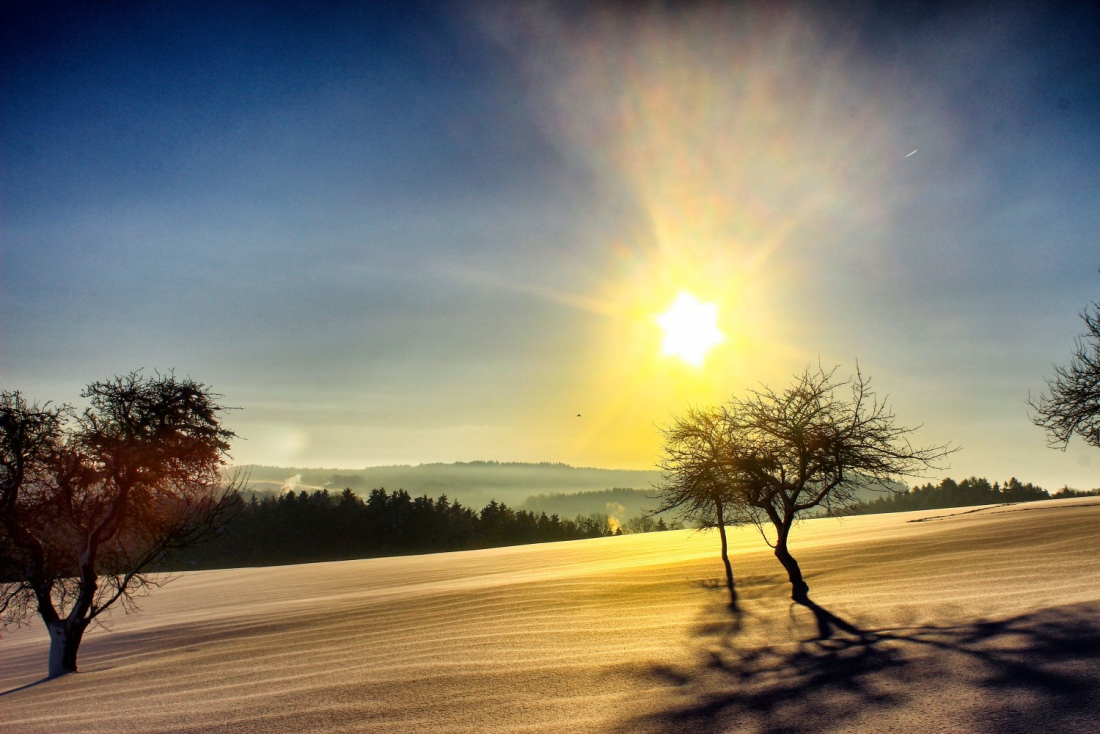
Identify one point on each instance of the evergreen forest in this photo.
(305, 527)
(966, 493)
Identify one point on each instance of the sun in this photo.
(690, 328)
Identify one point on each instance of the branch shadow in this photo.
(745, 589)
(1033, 672)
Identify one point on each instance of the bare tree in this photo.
(90, 501)
(773, 456)
(696, 482)
(1073, 404)
(808, 447)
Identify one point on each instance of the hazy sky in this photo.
(442, 232)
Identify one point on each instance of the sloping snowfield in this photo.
(981, 620)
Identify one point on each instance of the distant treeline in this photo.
(305, 527)
(473, 483)
(617, 502)
(968, 492)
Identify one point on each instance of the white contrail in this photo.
(910, 154)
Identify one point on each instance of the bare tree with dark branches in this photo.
(90, 501)
(775, 455)
(695, 482)
(813, 446)
(1072, 403)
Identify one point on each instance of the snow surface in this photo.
(985, 621)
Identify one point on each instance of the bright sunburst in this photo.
(690, 328)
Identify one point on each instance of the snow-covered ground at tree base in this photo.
(970, 620)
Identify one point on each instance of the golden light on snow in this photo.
(497, 605)
(691, 328)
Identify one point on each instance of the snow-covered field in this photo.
(984, 620)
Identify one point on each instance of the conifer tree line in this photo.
(303, 527)
(966, 493)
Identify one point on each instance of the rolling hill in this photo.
(977, 620)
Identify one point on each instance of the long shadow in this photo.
(1034, 672)
(106, 651)
(25, 687)
(828, 623)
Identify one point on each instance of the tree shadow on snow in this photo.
(1034, 672)
(25, 686)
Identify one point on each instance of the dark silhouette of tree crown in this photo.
(1071, 405)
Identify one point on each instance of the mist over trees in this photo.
(473, 483)
(620, 503)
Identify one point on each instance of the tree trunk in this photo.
(66, 632)
(725, 554)
(65, 639)
(800, 590)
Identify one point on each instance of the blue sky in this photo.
(440, 232)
